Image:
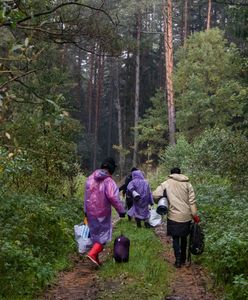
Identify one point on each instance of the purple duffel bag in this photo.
(121, 249)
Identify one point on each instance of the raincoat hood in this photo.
(137, 174)
(101, 174)
(179, 177)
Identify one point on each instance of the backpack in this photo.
(121, 249)
(196, 239)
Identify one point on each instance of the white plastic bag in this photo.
(155, 219)
(81, 232)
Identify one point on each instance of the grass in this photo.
(146, 274)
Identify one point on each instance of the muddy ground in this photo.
(189, 283)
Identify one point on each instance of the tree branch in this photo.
(16, 77)
(232, 2)
(60, 6)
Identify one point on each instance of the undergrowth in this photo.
(146, 274)
(36, 237)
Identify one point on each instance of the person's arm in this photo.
(151, 202)
(112, 194)
(192, 201)
(158, 193)
(123, 188)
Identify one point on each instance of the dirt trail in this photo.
(190, 281)
(82, 282)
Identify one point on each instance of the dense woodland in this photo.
(152, 83)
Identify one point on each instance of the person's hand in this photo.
(122, 215)
(196, 219)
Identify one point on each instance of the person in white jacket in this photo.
(182, 208)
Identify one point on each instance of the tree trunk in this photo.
(209, 14)
(168, 44)
(97, 108)
(185, 31)
(110, 106)
(90, 92)
(137, 91)
(119, 118)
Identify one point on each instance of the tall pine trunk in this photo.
(168, 44)
(209, 14)
(110, 106)
(185, 31)
(119, 118)
(97, 108)
(137, 90)
(90, 91)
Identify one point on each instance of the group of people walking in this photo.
(101, 192)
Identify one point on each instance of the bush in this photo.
(224, 216)
(222, 152)
(36, 236)
(180, 155)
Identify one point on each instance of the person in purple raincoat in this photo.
(142, 195)
(101, 192)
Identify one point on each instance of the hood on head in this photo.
(179, 177)
(101, 174)
(138, 174)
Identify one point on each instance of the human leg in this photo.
(176, 247)
(183, 249)
(94, 252)
(138, 222)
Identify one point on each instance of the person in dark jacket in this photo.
(123, 188)
(182, 209)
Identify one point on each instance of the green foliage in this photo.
(145, 276)
(208, 86)
(153, 126)
(221, 150)
(224, 152)
(181, 155)
(224, 216)
(35, 238)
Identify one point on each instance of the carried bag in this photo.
(121, 249)
(155, 219)
(82, 237)
(196, 239)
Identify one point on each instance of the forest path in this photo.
(82, 282)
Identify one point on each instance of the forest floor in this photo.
(82, 281)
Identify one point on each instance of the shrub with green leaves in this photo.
(35, 238)
(223, 153)
(224, 217)
(180, 155)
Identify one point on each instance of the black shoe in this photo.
(147, 225)
(178, 263)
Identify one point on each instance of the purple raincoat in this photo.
(140, 185)
(100, 193)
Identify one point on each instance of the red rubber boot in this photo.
(93, 253)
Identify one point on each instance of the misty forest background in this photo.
(154, 84)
